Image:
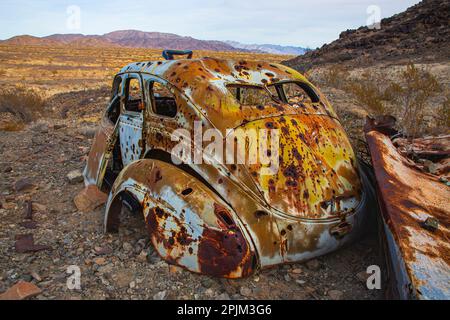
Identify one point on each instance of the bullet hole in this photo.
(305, 194)
(270, 125)
(261, 213)
(289, 227)
(291, 171)
(186, 191)
(283, 232)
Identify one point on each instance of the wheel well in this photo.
(112, 219)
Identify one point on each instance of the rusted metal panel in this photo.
(100, 152)
(189, 225)
(409, 200)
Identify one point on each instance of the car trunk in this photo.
(316, 176)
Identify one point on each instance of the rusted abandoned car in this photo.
(227, 219)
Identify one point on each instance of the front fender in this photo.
(189, 225)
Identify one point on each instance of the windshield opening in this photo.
(251, 95)
(287, 92)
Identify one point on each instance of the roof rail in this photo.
(169, 54)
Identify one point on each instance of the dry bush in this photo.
(336, 76)
(413, 94)
(370, 94)
(408, 99)
(25, 104)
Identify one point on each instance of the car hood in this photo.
(316, 176)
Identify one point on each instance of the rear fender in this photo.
(189, 225)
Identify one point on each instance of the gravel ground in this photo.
(124, 265)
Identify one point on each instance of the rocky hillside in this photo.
(421, 33)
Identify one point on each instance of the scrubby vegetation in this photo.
(413, 95)
(19, 105)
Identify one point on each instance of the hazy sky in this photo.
(289, 22)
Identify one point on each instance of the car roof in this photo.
(184, 73)
(204, 81)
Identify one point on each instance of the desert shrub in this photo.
(408, 99)
(413, 95)
(25, 104)
(336, 76)
(368, 93)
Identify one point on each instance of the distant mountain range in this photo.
(141, 39)
(269, 48)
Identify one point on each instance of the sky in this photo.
(306, 23)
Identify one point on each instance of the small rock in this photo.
(313, 264)
(296, 271)
(207, 283)
(223, 296)
(25, 243)
(160, 295)
(103, 250)
(301, 282)
(127, 247)
(35, 276)
(132, 284)
(123, 278)
(88, 132)
(140, 244)
(20, 291)
(75, 176)
(39, 207)
(246, 292)
(90, 198)
(58, 126)
(142, 257)
(100, 261)
(29, 224)
(362, 276)
(335, 295)
(24, 185)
